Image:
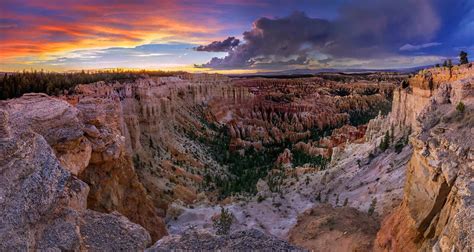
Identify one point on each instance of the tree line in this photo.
(463, 59)
(14, 85)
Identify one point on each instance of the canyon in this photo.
(333, 162)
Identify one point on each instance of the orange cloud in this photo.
(44, 28)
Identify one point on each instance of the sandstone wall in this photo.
(409, 101)
(136, 133)
(436, 212)
(94, 134)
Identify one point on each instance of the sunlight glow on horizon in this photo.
(161, 34)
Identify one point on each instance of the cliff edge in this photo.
(437, 208)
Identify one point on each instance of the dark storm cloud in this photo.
(366, 29)
(219, 46)
(276, 40)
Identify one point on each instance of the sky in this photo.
(232, 36)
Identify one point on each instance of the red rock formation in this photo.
(286, 110)
(284, 159)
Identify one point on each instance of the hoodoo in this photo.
(186, 125)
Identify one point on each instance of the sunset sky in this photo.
(232, 36)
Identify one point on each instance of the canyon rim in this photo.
(155, 126)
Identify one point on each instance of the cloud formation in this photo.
(410, 47)
(363, 30)
(330, 33)
(41, 28)
(150, 56)
(219, 46)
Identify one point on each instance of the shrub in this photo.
(461, 107)
(318, 197)
(384, 144)
(371, 156)
(224, 222)
(399, 146)
(372, 207)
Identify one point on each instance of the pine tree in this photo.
(384, 144)
(392, 137)
(224, 222)
(460, 107)
(372, 207)
(463, 58)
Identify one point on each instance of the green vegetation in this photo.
(340, 91)
(399, 146)
(301, 158)
(245, 170)
(460, 107)
(275, 180)
(385, 143)
(392, 133)
(317, 134)
(372, 207)
(16, 84)
(463, 58)
(246, 166)
(224, 222)
(357, 117)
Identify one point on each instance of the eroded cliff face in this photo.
(110, 173)
(144, 150)
(436, 212)
(135, 130)
(88, 142)
(42, 202)
(97, 135)
(413, 96)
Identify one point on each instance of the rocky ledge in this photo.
(201, 240)
(43, 205)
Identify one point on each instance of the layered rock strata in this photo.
(436, 212)
(42, 202)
